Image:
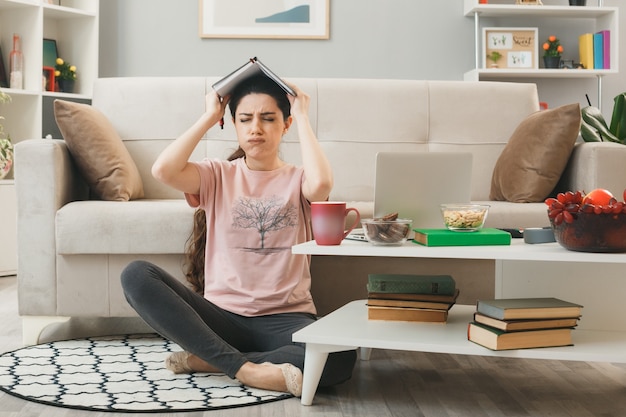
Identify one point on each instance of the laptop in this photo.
(414, 184)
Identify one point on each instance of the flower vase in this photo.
(66, 86)
(551, 61)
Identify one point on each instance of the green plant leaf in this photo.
(618, 119)
(592, 117)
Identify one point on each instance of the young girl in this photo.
(251, 294)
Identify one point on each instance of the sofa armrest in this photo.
(596, 165)
(45, 180)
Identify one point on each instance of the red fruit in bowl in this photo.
(598, 197)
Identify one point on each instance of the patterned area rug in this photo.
(118, 373)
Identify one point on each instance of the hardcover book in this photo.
(253, 67)
(438, 298)
(585, 49)
(496, 339)
(598, 51)
(407, 314)
(380, 302)
(411, 284)
(445, 237)
(528, 308)
(606, 48)
(517, 325)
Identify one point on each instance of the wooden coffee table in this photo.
(348, 327)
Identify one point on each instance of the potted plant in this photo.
(6, 147)
(552, 52)
(494, 56)
(65, 74)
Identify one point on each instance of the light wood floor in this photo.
(396, 384)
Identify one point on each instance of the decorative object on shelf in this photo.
(223, 19)
(552, 52)
(48, 79)
(577, 2)
(65, 74)
(529, 2)
(518, 45)
(595, 222)
(6, 147)
(16, 64)
(494, 56)
(4, 83)
(595, 129)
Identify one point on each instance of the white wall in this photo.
(407, 39)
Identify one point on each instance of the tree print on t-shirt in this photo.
(265, 215)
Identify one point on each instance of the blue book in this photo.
(598, 50)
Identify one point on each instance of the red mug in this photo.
(328, 219)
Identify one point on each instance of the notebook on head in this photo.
(414, 184)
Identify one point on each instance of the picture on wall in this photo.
(518, 47)
(272, 19)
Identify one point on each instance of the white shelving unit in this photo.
(74, 26)
(590, 18)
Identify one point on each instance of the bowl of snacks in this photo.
(464, 217)
(386, 230)
(593, 222)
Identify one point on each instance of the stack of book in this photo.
(595, 50)
(521, 323)
(404, 297)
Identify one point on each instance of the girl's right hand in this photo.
(216, 106)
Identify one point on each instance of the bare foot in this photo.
(283, 378)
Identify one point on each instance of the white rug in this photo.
(118, 373)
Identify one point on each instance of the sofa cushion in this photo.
(136, 227)
(98, 151)
(536, 155)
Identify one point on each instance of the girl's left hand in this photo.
(300, 103)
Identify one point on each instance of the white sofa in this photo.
(71, 250)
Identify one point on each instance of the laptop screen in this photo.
(415, 184)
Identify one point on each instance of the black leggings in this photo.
(222, 339)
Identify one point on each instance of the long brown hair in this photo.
(193, 266)
(196, 243)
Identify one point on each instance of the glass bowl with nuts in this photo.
(386, 230)
(464, 217)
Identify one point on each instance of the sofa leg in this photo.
(32, 326)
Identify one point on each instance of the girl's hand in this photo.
(300, 103)
(215, 106)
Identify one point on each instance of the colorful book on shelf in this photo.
(407, 314)
(251, 68)
(411, 284)
(430, 305)
(496, 339)
(445, 237)
(437, 298)
(598, 50)
(517, 325)
(528, 308)
(585, 50)
(606, 48)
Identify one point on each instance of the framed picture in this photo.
(512, 48)
(302, 19)
(50, 53)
